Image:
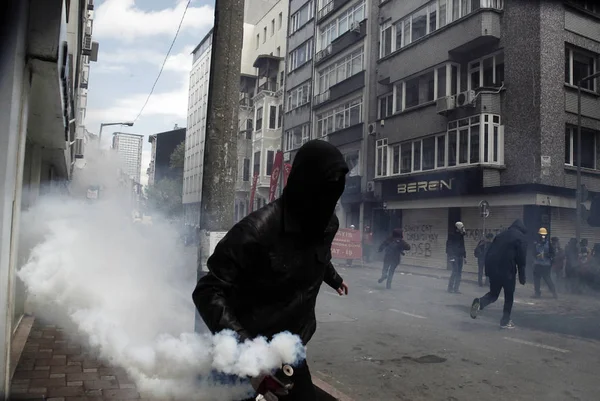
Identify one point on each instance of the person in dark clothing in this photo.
(455, 249)
(265, 274)
(394, 247)
(571, 264)
(479, 253)
(505, 258)
(542, 264)
(558, 263)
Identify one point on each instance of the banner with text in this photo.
(287, 167)
(347, 244)
(275, 175)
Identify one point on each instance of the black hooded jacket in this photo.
(394, 247)
(507, 254)
(265, 275)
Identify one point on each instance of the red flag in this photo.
(287, 167)
(253, 191)
(275, 175)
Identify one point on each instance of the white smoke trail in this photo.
(128, 289)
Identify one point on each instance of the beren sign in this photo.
(426, 186)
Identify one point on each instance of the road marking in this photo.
(524, 302)
(516, 340)
(408, 314)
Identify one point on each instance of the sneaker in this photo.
(382, 279)
(509, 325)
(475, 308)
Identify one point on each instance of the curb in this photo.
(326, 392)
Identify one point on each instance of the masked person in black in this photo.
(265, 274)
(394, 247)
(455, 249)
(505, 258)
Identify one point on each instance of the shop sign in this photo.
(448, 183)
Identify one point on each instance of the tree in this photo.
(165, 197)
(178, 156)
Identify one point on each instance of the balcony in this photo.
(268, 88)
(329, 8)
(341, 89)
(321, 98)
(246, 100)
(356, 33)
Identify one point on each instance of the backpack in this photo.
(478, 253)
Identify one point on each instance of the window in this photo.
(270, 157)
(438, 82)
(272, 117)
(341, 24)
(279, 115)
(381, 158)
(256, 168)
(264, 34)
(246, 170)
(341, 117)
(473, 140)
(578, 65)
(426, 20)
(352, 162)
(386, 106)
(298, 96)
(588, 147)
(273, 27)
(257, 40)
(259, 118)
(300, 55)
(588, 5)
(340, 70)
(297, 136)
(302, 16)
(280, 22)
(486, 72)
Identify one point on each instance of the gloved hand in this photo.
(522, 280)
(273, 386)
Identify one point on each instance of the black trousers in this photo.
(456, 276)
(389, 267)
(543, 272)
(303, 390)
(496, 285)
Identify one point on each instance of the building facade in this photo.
(43, 50)
(476, 100)
(163, 145)
(129, 149)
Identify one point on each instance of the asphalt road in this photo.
(417, 342)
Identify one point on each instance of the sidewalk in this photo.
(53, 367)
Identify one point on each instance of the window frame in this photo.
(569, 57)
(334, 67)
(301, 131)
(481, 70)
(335, 28)
(295, 22)
(571, 131)
(293, 56)
(298, 93)
(331, 117)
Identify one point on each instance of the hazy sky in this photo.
(134, 37)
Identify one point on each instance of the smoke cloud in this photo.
(127, 287)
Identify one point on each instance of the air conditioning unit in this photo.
(445, 104)
(87, 45)
(355, 27)
(370, 186)
(466, 98)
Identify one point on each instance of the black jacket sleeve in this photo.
(521, 257)
(233, 260)
(332, 278)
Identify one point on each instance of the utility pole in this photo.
(220, 144)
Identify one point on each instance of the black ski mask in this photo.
(315, 184)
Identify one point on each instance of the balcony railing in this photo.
(327, 8)
(268, 86)
(323, 53)
(246, 100)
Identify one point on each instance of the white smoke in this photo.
(127, 289)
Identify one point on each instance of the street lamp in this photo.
(578, 192)
(128, 123)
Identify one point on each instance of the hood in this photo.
(315, 184)
(397, 233)
(518, 224)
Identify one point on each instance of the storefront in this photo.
(562, 225)
(426, 230)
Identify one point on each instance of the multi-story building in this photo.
(260, 113)
(163, 145)
(476, 100)
(129, 149)
(41, 60)
(327, 89)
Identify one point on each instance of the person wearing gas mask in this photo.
(455, 249)
(394, 247)
(504, 261)
(265, 274)
(542, 263)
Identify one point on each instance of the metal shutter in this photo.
(500, 218)
(426, 230)
(563, 227)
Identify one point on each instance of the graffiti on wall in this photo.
(475, 234)
(422, 239)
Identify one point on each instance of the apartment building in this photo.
(163, 145)
(44, 48)
(476, 100)
(129, 149)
